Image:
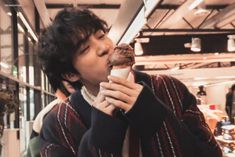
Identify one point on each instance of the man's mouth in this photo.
(110, 65)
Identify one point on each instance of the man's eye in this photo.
(101, 36)
(83, 50)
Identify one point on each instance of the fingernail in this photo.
(101, 88)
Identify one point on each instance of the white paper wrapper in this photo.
(122, 72)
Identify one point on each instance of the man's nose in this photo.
(103, 49)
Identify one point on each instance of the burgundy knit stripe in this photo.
(74, 115)
(179, 94)
(181, 89)
(62, 119)
(155, 147)
(174, 89)
(157, 81)
(67, 115)
(162, 95)
(172, 96)
(176, 96)
(174, 139)
(165, 146)
(58, 134)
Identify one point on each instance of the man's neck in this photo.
(92, 90)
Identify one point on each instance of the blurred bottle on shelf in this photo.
(201, 96)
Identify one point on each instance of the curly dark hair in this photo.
(59, 42)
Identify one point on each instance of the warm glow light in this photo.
(175, 68)
(138, 49)
(199, 78)
(20, 27)
(9, 13)
(222, 83)
(195, 4)
(4, 65)
(196, 45)
(199, 83)
(231, 43)
(201, 11)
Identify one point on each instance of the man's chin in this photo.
(104, 77)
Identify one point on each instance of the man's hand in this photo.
(120, 92)
(101, 104)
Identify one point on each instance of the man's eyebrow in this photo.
(81, 43)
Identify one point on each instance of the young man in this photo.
(158, 115)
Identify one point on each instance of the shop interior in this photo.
(191, 40)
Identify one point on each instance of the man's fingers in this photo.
(117, 95)
(110, 108)
(121, 81)
(116, 87)
(118, 103)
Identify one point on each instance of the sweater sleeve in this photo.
(64, 134)
(105, 135)
(169, 111)
(147, 114)
(196, 125)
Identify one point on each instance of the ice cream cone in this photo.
(122, 72)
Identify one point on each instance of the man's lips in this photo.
(109, 65)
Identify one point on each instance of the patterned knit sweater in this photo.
(164, 122)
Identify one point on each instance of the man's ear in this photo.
(72, 77)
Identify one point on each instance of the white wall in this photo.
(216, 94)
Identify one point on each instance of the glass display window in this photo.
(6, 51)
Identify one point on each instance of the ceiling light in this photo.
(142, 40)
(195, 4)
(201, 9)
(231, 43)
(9, 13)
(138, 49)
(196, 45)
